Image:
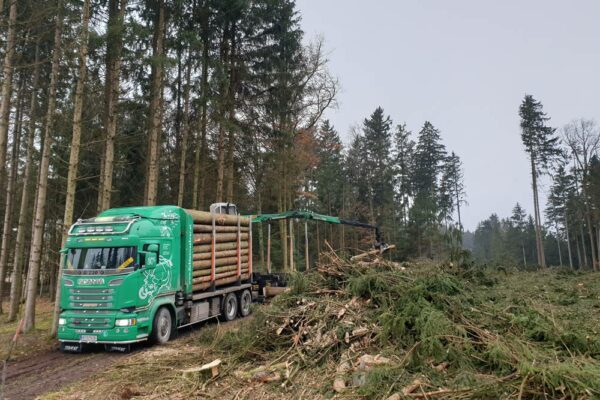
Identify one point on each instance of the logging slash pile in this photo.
(222, 240)
(380, 330)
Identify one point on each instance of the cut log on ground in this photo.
(271, 291)
(371, 253)
(212, 367)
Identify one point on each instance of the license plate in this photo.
(89, 338)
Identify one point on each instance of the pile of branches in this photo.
(384, 330)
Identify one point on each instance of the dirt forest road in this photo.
(52, 370)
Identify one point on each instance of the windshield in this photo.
(101, 258)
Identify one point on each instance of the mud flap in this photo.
(71, 347)
(118, 348)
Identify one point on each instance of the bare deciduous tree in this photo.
(583, 139)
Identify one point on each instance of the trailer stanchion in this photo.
(239, 258)
(318, 245)
(269, 248)
(212, 248)
(291, 245)
(250, 250)
(306, 246)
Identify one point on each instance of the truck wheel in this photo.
(162, 326)
(230, 307)
(244, 300)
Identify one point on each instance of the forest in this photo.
(118, 103)
(570, 235)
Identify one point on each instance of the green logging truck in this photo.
(139, 273)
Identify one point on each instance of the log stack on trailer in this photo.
(222, 249)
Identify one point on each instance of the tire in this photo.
(162, 326)
(244, 303)
(229, 309)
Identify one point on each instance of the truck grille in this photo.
(79, 322)
(91, 298)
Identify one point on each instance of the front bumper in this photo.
(83, 332)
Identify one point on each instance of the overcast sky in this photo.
(464, 65)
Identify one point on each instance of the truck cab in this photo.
(138, 273)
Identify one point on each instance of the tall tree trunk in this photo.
(16, 277)
(282, 228)
(585, 258)
(220, 162)
(10, 192)
(568, 242)
(538, 231)
(591, 235)
(232, 124)
(40, 206)
(224, 56)
(74, 156)
(458, 206)
(185, 131)
(578, 248)
(7, 77)
(112, 90)
(230, 164)
(156, 106)
(201, 153)
(597, 266)
(560, 260)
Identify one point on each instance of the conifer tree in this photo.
(328, 176)
(156, 103)
(377, 164)
(541, 145)
(35, 257)
(112, 89)
(75, 148)
(6, 91)
(519, 223)
(403, 169)
(561, 191)
(429, 156)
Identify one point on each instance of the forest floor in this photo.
(375, 331)
(36, 341)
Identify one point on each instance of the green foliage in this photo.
(496, 331)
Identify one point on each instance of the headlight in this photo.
(62, 321)
(67, 282)
(125, 322)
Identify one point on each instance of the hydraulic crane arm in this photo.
(379, 243)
